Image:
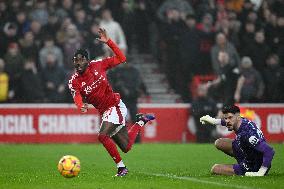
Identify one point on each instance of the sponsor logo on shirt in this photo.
(88, 89)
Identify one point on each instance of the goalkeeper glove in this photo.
(210, 120)
(261, 172)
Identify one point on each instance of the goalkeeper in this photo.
(249, 148)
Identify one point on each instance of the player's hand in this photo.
(261, 172)
(210, 120)
(103, 35)
(84, 108)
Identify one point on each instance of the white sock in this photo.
(120, 164)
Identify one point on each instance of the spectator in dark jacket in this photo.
(273, 77)
(30, 88)
(54, 78)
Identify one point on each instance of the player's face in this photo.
(231, 121)
(80, 63)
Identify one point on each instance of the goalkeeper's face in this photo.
(232, 121)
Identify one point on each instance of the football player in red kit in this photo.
(89, 82)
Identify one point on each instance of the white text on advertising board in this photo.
(68, 124)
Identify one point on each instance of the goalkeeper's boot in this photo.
(121, 172)
(142, 119)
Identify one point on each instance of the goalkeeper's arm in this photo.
(268, 154)
(213, 121)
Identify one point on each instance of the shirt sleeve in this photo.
(118, 58)
(74, 89)
(268, 153)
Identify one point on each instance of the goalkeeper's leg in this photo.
(225, 145)
(223, 169)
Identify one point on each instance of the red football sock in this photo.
(110, 147)
(132, 133)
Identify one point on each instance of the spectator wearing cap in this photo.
(250, 86)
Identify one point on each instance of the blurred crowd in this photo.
(238, 44)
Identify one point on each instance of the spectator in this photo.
(258, 51)
(280, 38)
(223, 45)
(114, 30)
(95, 8)
(23, 23)
(270, 30)
(81, 21)
(9, 35)
(94, 47)
(37, 31)
(54, 80)
(141, 21)
(126, 18)
(39, 13)
(28, 46)
(182, 6)
(203, 105)
(4, 82)
(247, 37)
(226, 82)
(189, 54)
(26, 91)
(273, 77)
(170, 32)
(14, 67)
(250, 84)
(127, 81)
(73, 40)
(65, 10)
(52, 26)
(50, 48)
(206, 33)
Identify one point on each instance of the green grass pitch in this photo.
(151, 166)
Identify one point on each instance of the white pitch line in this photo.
(200, 181)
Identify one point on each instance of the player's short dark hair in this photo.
(230, 109)
(82, 52)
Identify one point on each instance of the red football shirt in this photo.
(93, 85)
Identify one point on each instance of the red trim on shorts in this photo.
(119, 114)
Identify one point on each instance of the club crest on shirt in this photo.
(253, 140)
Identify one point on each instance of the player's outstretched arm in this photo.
(119, 56)
(208, 119)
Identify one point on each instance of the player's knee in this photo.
(215, 169)
(219, 144)
(124, 149)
